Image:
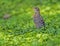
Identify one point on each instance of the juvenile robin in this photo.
(6, 16)
(38, 20)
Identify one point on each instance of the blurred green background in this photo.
(19, 29)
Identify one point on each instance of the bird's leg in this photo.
(44, 27)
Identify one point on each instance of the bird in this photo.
(38, 19)
(6, 16)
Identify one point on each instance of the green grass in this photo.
(19, 29)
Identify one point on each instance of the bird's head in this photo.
(36, 10)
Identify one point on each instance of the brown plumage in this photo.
(38, 20)
(6, 16)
